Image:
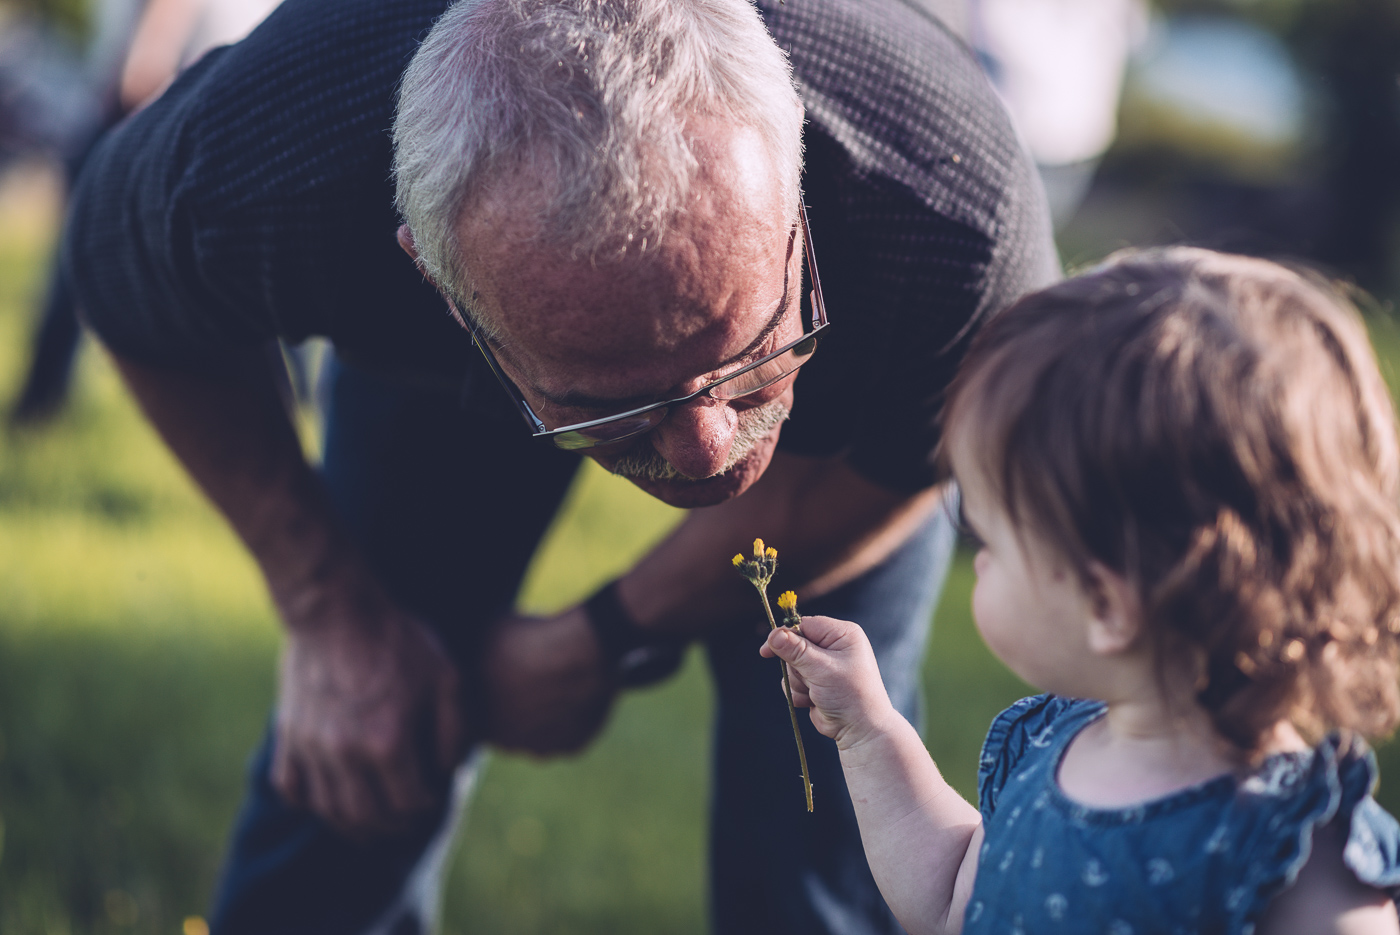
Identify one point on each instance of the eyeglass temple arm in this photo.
(512, 391)
(818, 302)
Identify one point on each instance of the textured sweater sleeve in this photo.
(927, 216)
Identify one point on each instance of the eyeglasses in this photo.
(745, 381)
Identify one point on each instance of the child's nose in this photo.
(980, 561)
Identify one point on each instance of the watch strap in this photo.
(633, 656)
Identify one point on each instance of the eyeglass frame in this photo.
(537, 427)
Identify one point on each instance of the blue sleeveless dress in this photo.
(1207, 859)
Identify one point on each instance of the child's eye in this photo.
(969, 535)
(953, 503)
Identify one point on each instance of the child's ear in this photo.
(1115, 623)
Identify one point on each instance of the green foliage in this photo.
(73, 17)
(1275, 15)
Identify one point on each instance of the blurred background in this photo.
(138, 651)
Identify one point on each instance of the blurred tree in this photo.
(73, 17)
(1352, 47)
(1349, 50)
(1278, 16)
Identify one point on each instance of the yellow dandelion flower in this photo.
(759, 571)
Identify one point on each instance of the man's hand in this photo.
(547, 691)
(369, 723)
(832, 670)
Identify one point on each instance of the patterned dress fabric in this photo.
(1207, 859)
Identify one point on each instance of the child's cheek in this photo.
(989, 616)
(979, 607)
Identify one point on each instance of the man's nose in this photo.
(696, 437)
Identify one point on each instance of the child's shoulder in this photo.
(1031, 727)
(1280, 807)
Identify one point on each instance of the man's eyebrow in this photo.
(578, 400)
(770, 327)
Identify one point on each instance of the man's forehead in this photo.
(646, 345)
(662, 299)
(705, 289)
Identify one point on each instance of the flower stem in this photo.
(787, 691)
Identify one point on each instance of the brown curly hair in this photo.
(1215, 429)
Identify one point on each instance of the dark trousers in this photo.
(449, 499)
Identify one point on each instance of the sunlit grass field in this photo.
(137, 660)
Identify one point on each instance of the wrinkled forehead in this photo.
(713, 281)
(696, 282)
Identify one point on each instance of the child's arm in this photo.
(1327, 899)
(920, 836)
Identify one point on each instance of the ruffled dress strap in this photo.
(1030, 725)
(1283, 804)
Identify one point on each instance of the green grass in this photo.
(137, 661)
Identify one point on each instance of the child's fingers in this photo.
(796, 683)
(796, 680)
(786, 645)
(825, 632)
(829, 632)
(800, 694)
(802, 698)
(819, 637)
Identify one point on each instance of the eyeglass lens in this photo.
(766, 373)
(614, 430)
(741, 384)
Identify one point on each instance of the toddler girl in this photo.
(1183, 470)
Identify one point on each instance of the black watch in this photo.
(633, 656)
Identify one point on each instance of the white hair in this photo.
(592, 95)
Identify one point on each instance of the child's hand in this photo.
(833, 671)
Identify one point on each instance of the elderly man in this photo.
(603, 195)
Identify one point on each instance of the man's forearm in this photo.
(828, 523)
(369, 719)
(227, 425)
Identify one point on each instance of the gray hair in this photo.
(592, 94)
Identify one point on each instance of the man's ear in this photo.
(405, 239)
(1115, 624)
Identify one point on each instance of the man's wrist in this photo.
(341, 593)
(631, 655)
